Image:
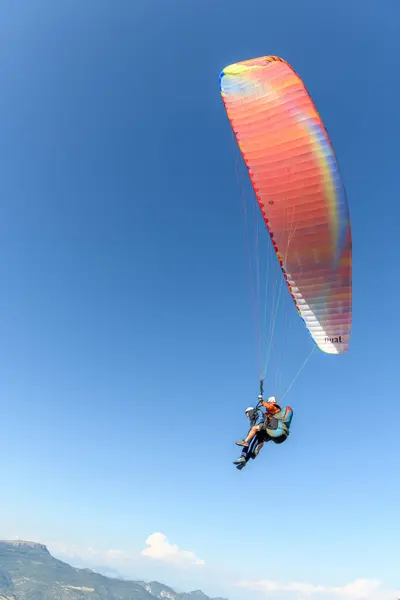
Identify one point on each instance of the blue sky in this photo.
(127, 351)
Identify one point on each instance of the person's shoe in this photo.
(242, 443)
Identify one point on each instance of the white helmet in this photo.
(271, 399)
(248, 409)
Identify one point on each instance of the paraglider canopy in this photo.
(296, 180)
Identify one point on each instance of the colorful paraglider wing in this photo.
(295, 176)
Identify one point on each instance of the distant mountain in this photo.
(29, 572)
(196, 595)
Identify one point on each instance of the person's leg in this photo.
(258, 449)
(243, 458)
(253, 431)
(246, 454)
(262, 437)
(250, 451)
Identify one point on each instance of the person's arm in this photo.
(260, 417)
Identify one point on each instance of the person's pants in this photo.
(248, 452)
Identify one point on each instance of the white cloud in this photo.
(159, 548)
(360, 589)
(92, 557)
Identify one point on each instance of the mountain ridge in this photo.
(28, 571)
